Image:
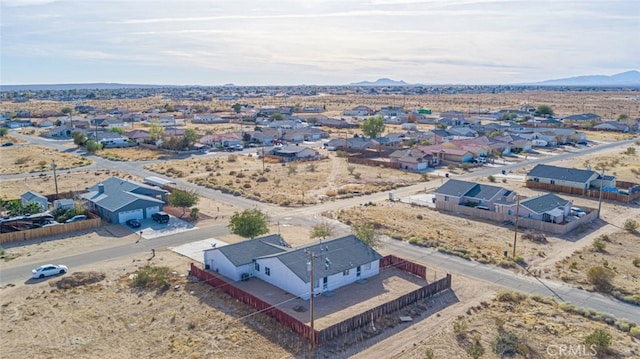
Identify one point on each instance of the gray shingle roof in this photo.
(331, 257)
(544, 203)
(460, 188)
(561, 173)
(244, 252)
(119, 193)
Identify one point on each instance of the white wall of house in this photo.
(217, 262)
(559, 182)
(281, 277)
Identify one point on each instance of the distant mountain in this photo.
(629, 78)
(87, 86)
(380, 82)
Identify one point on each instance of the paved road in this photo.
(309, 216)
(511, 280)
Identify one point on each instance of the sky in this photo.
(314, 42)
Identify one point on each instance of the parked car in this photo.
(161, 217)
(578, 212)
(49, 270)
(133, 223)
(78, 218)
(7, 144)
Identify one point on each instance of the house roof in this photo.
(30, 196)
(460, 188)
(245, 252)
(582, 117)
(118, 193)
(330, 257)
(561, 173)
(544, 203)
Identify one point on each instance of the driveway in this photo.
(151, 229)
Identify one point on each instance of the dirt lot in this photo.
(27, 159)
(290, 184)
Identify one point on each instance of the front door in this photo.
(358, 272)
(325, 283)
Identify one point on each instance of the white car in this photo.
(49, 270)
(578, 212)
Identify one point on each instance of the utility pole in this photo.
(601, 188)
(515, 235)
(311, 302)
(55, 177)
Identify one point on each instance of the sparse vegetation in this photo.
(601, 278)
(151, 277)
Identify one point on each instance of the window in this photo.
(446, 198)
(553, 181)
(536, 179)
(256, 265)
(345, 272)
(267, 271)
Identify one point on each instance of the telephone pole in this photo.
(55, 177)
(311, 302)
(515, 234)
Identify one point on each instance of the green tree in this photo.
(32, 208)
(93, 146)
(623, 117)
(544, 110)
(322, 230)
(116, 130)
(599, 338)
(190, 137)
(237, 107)
(155, 130)
(13, 208)
(79, 138)
(276, 117)
(367, 234)
(373, 127)
(249, 223)
(4, 131)
(66, 110)
(194, 214)
(184, 199)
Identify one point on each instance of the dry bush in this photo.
(78, 279)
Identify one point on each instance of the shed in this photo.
(157, 181)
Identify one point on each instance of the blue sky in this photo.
(321, 42)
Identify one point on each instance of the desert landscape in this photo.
(99, 309)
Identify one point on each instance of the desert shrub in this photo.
(240, 175)
(506, 344)
(232, 158)
(601, 278)
(600, 338)
(311, 167)
(635, 332)
(460, 329)
(491, 178)
(22, 160)
(631, 225)
(151, 277)
(194, 214)
(232, 173)
(262, 179)
(475, 350)
(599, 245)
(508, 296)
(292, 169)
(246, 185)
(357, 175)
(331, 193)
(636, 261)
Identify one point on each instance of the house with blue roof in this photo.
(336, 263)
(117, 200)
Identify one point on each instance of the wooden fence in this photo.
(593, 193)
(285, 319)
(365, 318)
(49, 231)
(339, 329)
(404, 265)
(373, 163)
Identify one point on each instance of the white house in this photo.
(336, 263)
